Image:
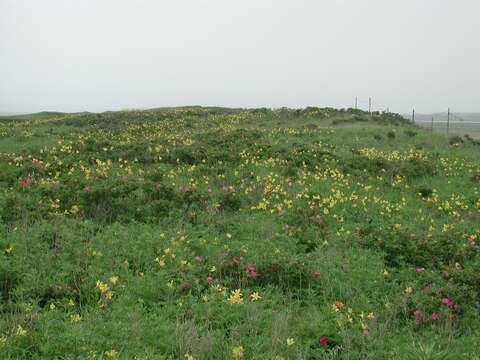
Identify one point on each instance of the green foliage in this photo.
(229, 233)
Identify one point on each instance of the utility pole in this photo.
(448, 121)
(413, 116)
(356, 102)
(370, 105)
(431, 126)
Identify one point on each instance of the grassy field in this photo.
(210, 233)
(456, 128)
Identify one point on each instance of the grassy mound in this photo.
(212, 233)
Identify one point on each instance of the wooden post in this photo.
(431, 127)
(448, 121)
(413, 116)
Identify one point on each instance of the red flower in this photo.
(448, 302)
(209, 279)
(198, 258)
(323, 341)
(419, 269)
(319, 220)
(253, 274)
(235, 260)
(185, 286)
(25, 181)
(250, 267)
(435, 316)
(316, 274)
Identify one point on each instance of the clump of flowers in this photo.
(25, 181)
(236, 297)
(106, 293)
(449, 302)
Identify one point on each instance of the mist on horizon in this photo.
(111, 55)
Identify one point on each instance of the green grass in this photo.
(214, 233)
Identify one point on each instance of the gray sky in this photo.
(96, 55)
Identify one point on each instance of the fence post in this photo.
(448, 121)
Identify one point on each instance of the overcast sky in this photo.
(97, 55)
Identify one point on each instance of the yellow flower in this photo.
(111, 353)
(189, 357)
(237, 352)
(408, 290)
(255, 296)
(386, 273)
(74, 209)
(160, 261)
(75, 318)
(114, 280)
(290, 341)
(102, 287)
(52, 306)
(21, 331)
(236, 297)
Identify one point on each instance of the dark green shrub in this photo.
(410, 133)
(230, 202)
(455, 140)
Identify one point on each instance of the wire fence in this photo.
(449, 123)
(456, 125)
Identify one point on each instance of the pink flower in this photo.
(316, 274)
(418, 313)
(198, 258)
(185, 286)
(319, 220)
(419, 269)
(250, 267)
(25, 181)
(435, 316)
(253, 274)
(184, 189)
(448, 302)
(323, 341)
(235, 260)
(209, 280)
(209, 190)
(285, 227)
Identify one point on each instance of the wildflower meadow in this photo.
(214, 233)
